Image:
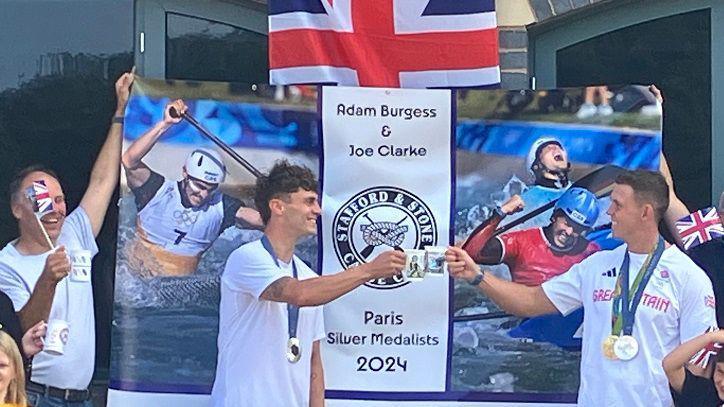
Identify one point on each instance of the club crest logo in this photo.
(64, 336)
(379, 219)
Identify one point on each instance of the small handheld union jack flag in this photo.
(40, 198)
(699, 227)
(712, 349)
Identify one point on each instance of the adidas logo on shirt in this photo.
(609, 273)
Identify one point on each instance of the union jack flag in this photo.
(384, 43)
(40, 198)
(699, 227)
(712, 349)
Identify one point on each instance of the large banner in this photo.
(411, 170)
(386, 185)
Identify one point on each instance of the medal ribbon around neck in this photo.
(292, 310)
(624, 312)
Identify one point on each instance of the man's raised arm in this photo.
(137, 172)
(105, 174)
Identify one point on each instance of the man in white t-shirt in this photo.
(37, 279)
(674, 305)
(265, 358)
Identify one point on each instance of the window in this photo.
(202, 49)
(675, 54)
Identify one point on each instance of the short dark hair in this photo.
(649, 187)
(19, 176)
(283, 179)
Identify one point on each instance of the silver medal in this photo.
(626, 347)
(294, 350)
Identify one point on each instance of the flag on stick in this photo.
(702, 357)
(700, 227)
(42, 202)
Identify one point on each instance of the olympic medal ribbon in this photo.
(626, 300)
(294, 350)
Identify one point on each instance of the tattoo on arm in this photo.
(275, 290)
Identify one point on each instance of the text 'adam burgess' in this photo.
(407, 113)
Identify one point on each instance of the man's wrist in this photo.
(477, 279)
(117, 119)
(364, 272)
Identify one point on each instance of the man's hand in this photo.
(123, 90)
(460, 264)
(513, 205)
(33, 339)
(249, 218)
(57, 267)
(657, 93)
(387, 264)
(180, 107)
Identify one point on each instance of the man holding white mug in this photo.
(46, 270)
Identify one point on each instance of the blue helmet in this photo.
(580, 205)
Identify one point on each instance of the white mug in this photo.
(415, 265)
(436, 264)
(56, 337)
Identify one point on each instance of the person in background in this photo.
(690, 389)
(31, 342)
(12, 375)
(36, 278)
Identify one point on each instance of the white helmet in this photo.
(206, 165)
(535, 150)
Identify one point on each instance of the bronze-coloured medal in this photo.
(607, 347)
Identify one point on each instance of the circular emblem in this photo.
(626, 347)
(64, 336)
(379, 219)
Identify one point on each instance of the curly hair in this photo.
(283, 179)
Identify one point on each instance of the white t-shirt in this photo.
(677, 305)
(18, 275)
(252, 369)
(180, 230)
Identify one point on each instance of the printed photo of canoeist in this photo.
(533, 174)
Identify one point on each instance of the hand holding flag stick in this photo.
(228, 150)
(42, 205)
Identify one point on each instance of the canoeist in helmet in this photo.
(178, 220)
(537, 254)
